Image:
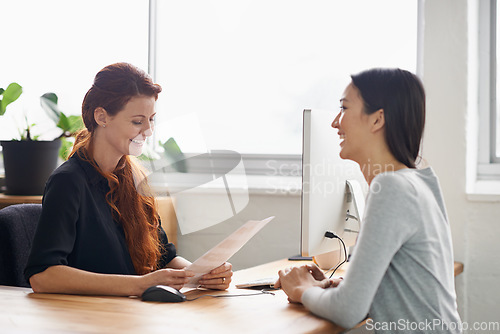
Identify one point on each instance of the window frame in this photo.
(488, 167)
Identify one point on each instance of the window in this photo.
(238, 74)
(58, 46)
(489, 89)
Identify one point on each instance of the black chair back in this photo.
(17, 229)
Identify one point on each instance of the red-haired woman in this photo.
(98, 233)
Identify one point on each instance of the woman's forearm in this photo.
(178, 262)
(64, 279)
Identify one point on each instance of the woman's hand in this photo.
(176, 278)
(217, 279)
(318, 275)
(294, 281)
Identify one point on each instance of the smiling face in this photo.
(126, 132)
(353, 126)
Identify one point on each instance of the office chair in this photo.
(17, 229)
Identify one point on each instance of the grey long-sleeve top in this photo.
(401, 273)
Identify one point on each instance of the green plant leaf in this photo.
(12, 93)
(51, 97)
(65, 150)
(63, 122)
(2, 90)
(174, 153)
(70, 124)
(48, 101)
(75, 123)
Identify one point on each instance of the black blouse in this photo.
(76, 227)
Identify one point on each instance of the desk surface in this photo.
(22, 311)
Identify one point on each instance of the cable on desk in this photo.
(261, 292)
(332, 235)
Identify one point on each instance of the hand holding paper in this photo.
(217, 279)
(224, 250)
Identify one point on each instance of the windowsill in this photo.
(255, 184)
(485, 191)
(275, 185)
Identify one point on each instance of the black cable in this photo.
(332, 235)
(345, 258)
(261, 292)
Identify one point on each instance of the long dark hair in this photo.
(402, 97)
(135, 210)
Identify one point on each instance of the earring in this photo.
(104, 125)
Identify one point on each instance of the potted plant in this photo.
(69, 125)
(28, 162)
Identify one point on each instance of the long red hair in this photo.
(134, 208)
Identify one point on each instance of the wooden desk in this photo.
(22, 311)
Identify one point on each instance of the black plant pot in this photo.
(28, 165)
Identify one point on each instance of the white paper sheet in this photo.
(224, 250)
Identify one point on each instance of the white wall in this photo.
(475, 224)
(279, 239)
(444, 146)
(449, 68)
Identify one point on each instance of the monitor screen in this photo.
(327, 197)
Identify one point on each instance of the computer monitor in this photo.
(332, 188)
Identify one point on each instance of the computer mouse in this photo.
(163, 293)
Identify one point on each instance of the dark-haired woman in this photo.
(401, 273)
(99, 231)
